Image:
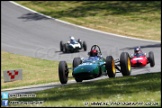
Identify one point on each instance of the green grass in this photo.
(35, 71)
(143, 89)
(140, 19)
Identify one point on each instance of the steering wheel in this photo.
(94, 47)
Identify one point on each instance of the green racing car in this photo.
(95, 66)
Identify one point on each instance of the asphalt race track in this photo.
(31, 34)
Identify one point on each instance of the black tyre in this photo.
(125, 64)
(65, 48)
(61, 45)
(76, 62)
(63, 72)
(151, 59)
(78, 80)
(84, 46)
(110, 66)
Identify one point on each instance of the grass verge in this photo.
(140, 19)
(139, 90)
(35, 71)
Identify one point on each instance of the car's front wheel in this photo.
(110, 66)
(63, 72)
(125, 64)
(151, 59)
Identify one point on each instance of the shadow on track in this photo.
(143, 46)
(33, 17)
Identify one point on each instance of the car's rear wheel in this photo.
(151, 59)
(61, 45)
(125, 64)
(77, 61)
(84, 46)
(65, 48)
(63, 72)
(78, 80)
(110, 66)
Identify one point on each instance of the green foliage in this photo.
(141, 19)
(147, 87)
(35, 71)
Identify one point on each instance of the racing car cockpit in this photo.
(95, 51)
(138, 52)
(72, 40)
(94, 54)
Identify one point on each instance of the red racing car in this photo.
(139, 59)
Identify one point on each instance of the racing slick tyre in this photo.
(84, 46)
(65, 48)
(61, 45)
(77, 61)
(110, 67)
(125, 64)
(63, 72)
(78, 80)
(151, 59)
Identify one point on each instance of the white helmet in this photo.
(72, 38)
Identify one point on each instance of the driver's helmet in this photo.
(72, 39)
(137, 50)
(93, 53)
